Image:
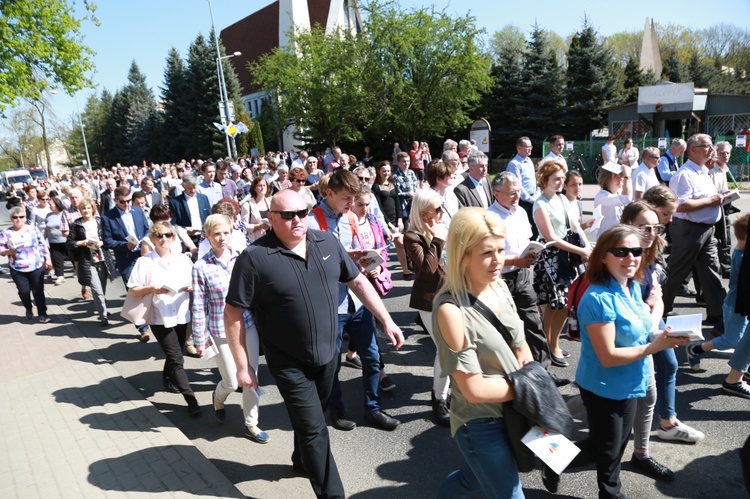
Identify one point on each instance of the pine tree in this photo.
(116, 119)
(673, 69)
(174, 100)
(700, 73)
(140, 105)
(591, 82)
(501, 105)
(202, 106)
(541, 110)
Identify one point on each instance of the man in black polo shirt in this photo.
(289, 280)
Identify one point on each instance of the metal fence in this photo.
(586, 155)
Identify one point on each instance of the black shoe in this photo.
(685, 291)
(29, 315)
(219, 414)
(565, 353)
(355, 362)
(559, 361)
(44, 319)
(650, 467)
(550, 479)
(194, 409)
(340, 422)
(169, 386)
(382, 420)
(559, 381)
(440, 411)
(713, 320)
(387, 384)
(409, 277)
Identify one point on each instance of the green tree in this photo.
(40, 45)
(634, 77)
(590, 82)
(508, 40)
(701, 73)
(319, 91)
(426, 71)
(502, 104)
(673, 69)
(625, 45)
(174, 102)
(541, 110)
(139, 120)
(202, 106)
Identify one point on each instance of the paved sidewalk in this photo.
(71, 426)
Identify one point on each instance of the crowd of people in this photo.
(287, 256)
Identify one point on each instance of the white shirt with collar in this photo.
(692, 181)
(559, 158)
(479, 187)
(517, 232)
(195, 211)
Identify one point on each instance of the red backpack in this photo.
(575, 293)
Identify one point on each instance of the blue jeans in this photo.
(734, 329)
(485, 445)
(740, 359)
(360, 326)
(665, 367)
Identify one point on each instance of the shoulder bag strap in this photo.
(565, 212)
(321, 218)
(353, 226)
(483, 309)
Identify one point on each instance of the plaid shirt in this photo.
(210, 286)
(69, 216)
(406, 186)
(31, 250)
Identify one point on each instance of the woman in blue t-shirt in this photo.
(613, 371)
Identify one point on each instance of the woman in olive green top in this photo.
(475, 354)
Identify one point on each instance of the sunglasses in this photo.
(124, 201)
(299, 180)
(18, 217)
(623, 252)
(657, 229)
(364, 179)
(289, 215)
(168, 235)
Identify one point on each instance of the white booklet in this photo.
(371, 259)
(686, 325)
(178, 282)
(535, 247)
(132, 240)
(554, 449)
(730, 196)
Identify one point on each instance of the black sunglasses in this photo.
(364, 179)
(123, 201)
(623, 252)
(288, 215)
(168, 235)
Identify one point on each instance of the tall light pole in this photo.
(226, 118)
(83, 134)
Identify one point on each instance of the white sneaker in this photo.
(682, 432)
(59, 281)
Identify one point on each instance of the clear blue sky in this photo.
(145, 30)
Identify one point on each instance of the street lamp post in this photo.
(83, 134)
(226, 119)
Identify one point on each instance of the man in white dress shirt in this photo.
(517, 271)
(644, 177)
(692, 230)
(556, 146)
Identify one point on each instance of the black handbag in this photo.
(568, 262)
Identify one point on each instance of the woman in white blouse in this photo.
(170, 310)
(614, 195)
(254, 209)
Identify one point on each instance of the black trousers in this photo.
(172, 341)
(306, 390)
(29, 283)
(521, 285)
(529, 208)
(610, 425)
(58, 253)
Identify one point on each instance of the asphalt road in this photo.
(411, 461)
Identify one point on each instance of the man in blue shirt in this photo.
(523, 168)
(668, 163)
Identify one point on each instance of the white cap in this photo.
(612, 167)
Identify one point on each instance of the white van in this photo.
(14, 179)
